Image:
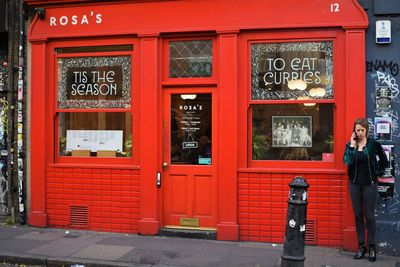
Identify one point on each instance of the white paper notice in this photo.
(94, 140)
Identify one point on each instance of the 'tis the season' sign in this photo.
(93, 82)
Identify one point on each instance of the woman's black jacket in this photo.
(376, 167)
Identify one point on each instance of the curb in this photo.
(25, 259)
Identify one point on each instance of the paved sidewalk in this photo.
(60, 247)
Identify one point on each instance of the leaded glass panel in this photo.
(298, 71)
(94, 82)
(190, 59)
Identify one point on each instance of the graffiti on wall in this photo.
(4, 185)
(386, 85)
(384, 66)
(384, 95)
(3, 158)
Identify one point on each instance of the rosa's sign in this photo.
(83, 19)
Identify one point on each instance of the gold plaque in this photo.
(193, 222)
(106, 153)
(80, 153)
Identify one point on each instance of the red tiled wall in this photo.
(111, 195)
(262, 206)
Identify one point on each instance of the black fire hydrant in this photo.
(293, 248)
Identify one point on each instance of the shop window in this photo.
(98, 134)
(94, 112)
(292, 132)
(190, 59)
(292, 101)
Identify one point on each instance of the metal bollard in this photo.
(293, 248)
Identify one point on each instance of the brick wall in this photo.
(92, 198)
(262, 206)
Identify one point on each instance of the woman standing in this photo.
(363, 169)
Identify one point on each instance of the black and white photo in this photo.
(291, 131)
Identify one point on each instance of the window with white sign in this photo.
(94, 110)
(292, 101)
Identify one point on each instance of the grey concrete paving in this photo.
(59, 247)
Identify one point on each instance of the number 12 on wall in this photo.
(334, 7)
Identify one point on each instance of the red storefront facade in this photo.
(194, 114)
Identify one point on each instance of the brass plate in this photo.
(106, 153)
(194, 222)
(81, 153)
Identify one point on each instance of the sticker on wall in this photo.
(383, 129)
(383, 33)
(386, 187)
(389, 151)
(383, 98)
(387, 181)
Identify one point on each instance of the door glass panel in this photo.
(191, 139)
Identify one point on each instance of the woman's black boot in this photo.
(372, 252)
(360, 252)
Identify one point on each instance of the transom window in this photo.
(190, 59)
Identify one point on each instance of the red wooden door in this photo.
(189, 167)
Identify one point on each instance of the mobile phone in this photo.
(355, 134)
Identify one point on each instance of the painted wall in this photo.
(382, 71)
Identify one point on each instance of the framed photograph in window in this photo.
(291, 131)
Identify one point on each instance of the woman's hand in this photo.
(353, 138)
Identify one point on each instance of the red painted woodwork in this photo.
(228, 228)
(150, 138)
(189, 191)
(249, 198)
(356, 108)
(37, 212)
(127, 17)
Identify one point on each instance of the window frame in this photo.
(134, 101)
(192, 81)
(337, 100)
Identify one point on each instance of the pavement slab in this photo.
(41, 236)
(103, 252)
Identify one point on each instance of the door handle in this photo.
(165, 165)
(158, 179)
